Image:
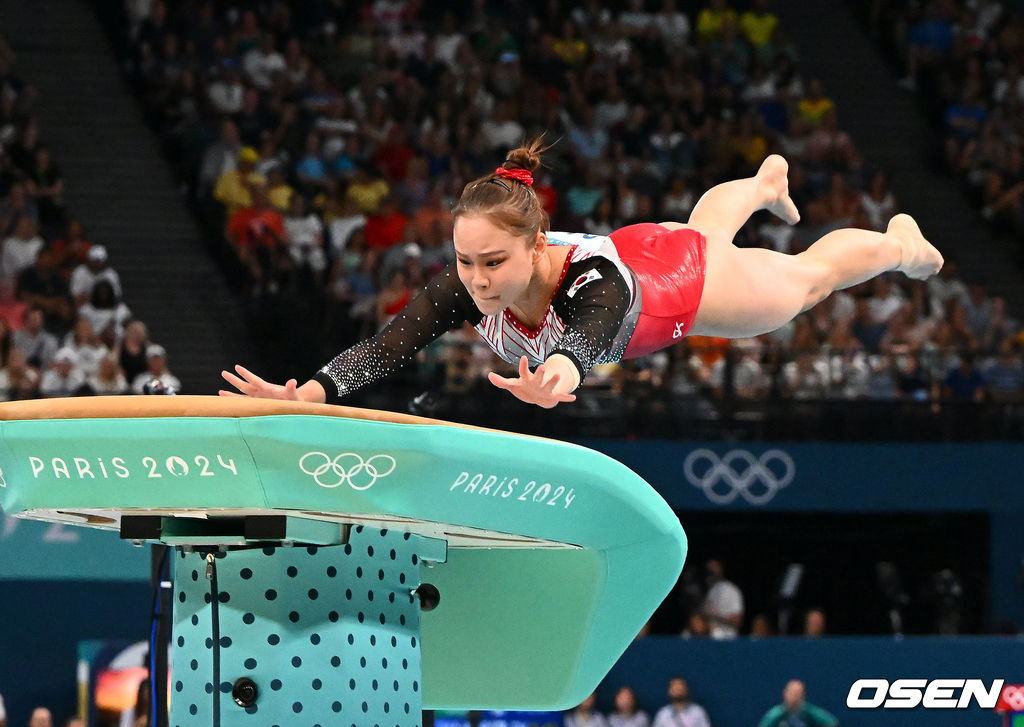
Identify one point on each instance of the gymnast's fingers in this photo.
(222, 392)
(249, 375)
(235, 381)
(500, 381)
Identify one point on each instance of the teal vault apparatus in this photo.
(313, 542)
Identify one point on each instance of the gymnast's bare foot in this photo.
(774, 184)
(920, 259)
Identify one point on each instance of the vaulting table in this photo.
(346, 566)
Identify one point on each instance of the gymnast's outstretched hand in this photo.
(252, 385)
(543, 387)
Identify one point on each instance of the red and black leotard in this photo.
(622, 296)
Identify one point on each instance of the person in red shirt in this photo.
(257, 233)
(387, 227)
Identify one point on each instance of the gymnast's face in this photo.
(495, 266)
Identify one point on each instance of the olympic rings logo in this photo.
(739, 474)
(347, 467)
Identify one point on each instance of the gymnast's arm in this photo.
(441, 306)
(593, 316)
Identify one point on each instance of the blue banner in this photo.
(833, 477)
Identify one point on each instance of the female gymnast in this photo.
(563, 302)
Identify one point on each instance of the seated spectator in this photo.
(18, 380)
(86, 345)
(310, 169)
(711, 20)
(627, 712)
(796, 711)
(219, 158)
(387, 226)
(279, 192)
(947, 286)
(697, 627)
(913, 380)
(680, 710)
(723, 603)
(3, 712)
(131, 354)
(263, 64)
(502, 131)
(19, 251)
(348, 219)
(886, 299)
(1004, 373)
(393, 297)
(758, 25)
(602, 221)
(930, 39)
(95, 268)
(585, 715)
(63, 378)
(761, 627)
(16, 205)
(865, 328)
(257, 232)
(814, 623)
(878, 203)
(815, 105)
(964, 120)
(156, 370)
(108, 379)
(46, 185)
(964, 382)
(304, 234)
(433, 211)
(232, 188)
(41, 286)
(106, 312)
(227, 93)
(367, 190)
(587, 139)
(38, 344)
(71, 248)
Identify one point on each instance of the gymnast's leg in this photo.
(752, 291)
(749, 291)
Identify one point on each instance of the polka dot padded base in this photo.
(328, 635)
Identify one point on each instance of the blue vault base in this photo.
(327, 635)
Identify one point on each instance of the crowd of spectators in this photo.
(626, 711)
(325, 143)
(64, 328)
(964, 59)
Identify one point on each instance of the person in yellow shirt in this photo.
(758, 24)
(815, 105)
(367, 191)
(232, 188)
(279, 192)
(711, 20)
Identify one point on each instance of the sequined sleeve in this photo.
(444, 304)
(594, 302)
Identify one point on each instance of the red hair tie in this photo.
(522, 176)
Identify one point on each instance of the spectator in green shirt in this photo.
(796, 711)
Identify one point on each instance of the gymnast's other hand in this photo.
(252, 385)
(546, 387)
